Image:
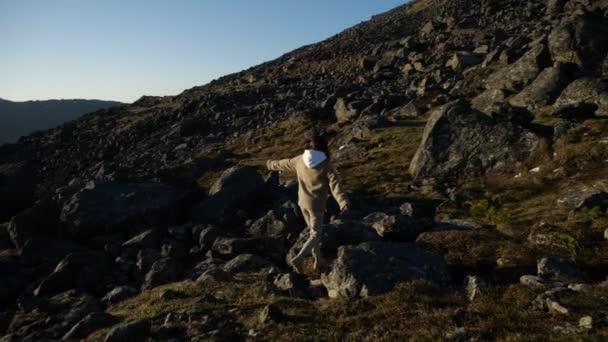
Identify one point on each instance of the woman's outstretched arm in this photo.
(282, 165)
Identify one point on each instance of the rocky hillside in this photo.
(22, 118)
(473, 139)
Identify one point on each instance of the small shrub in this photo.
(485, 211)
(591, 214)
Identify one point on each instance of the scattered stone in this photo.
(246, 263)
(131, 331)
(586, 322)
(556, 307)
(392, 227)
(473, 287)
(162, 272)
(292, 284)
(559, 269)
(119, 294)
(270, 313)
(463, 60)
(538, 282)
(214, 274)
(147, 239)
(89, 324)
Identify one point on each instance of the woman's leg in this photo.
(313, 244)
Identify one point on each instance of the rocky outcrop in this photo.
(375, 267)
(460, 141)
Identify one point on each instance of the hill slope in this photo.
(22, 118)
(471, 134)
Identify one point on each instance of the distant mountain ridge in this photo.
(22, 118)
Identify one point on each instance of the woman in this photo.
(316, 178)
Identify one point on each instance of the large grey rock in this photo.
(111, 207)
(543, 90)
(579, 39)
(375, 267)
(459, 142)
(130, 331)
(92, 322)
(237, 190)
(586, 90)
(516, 76)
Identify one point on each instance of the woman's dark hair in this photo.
(318, 142)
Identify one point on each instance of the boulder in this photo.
(407, 111)
(147, 239)
(83, 271)
(345, 112)
(130, 331)
(543, 90)
(375, 267)
(238, 190)
(246, 263)
(559, 269)
(516, 76)
(463, 60)
(90, 323)
(584, 196)
(207, 237)
(233, 246)
(579, 39)
(488, 101)
(473, 287)
(459, 142)
(119, 294)
(537, 282)
(280, 222)
(163, 271)
(394, 227)
(17, 186)
(586, 90)
(112, 207)
(293, 285)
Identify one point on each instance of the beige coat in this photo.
(314, 184)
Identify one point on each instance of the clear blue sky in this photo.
(122, 49)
